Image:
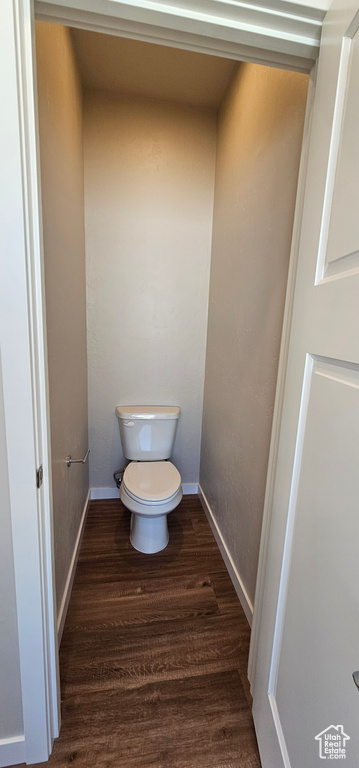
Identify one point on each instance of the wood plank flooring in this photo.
(154, 652)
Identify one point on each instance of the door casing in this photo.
(23, 320)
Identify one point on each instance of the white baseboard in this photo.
(71, 574)
(113, 493)
(189, 488)
(231, 568)
(104, 493)
(12, 751)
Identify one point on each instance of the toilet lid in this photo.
(151, 480)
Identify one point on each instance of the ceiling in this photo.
(121, 65)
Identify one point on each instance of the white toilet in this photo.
(151, 487)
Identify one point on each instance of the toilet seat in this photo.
(151, 489)
(151, 483)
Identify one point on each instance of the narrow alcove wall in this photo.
(62, 188)
(260, 130)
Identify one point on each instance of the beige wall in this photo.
(149, 176)
(60, 122)
(10, 688)
(259, 143)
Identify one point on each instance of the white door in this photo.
(306, 704)
(22, 342)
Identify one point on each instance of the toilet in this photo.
(151, 486)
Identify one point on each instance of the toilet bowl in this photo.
(150, 490)
(151, 486)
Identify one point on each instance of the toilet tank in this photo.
(147, 432)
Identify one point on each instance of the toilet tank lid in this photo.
(148, 411)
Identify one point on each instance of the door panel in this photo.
(340, 252)
(319, 649)
(309, 630)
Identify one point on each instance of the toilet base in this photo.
(149, 534)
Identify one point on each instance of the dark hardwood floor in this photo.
(154, 652)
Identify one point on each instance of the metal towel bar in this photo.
(70, 461)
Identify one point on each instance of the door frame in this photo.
(23, 317)
(280, 386)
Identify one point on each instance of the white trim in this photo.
(279, 731)
(281, 378)
(335, 141)
(12, 751)
(113, 493)
(288, 35)
(71, 573)
(289, 534)
(227, 557)
(104, 493)
(189, 488)
(25, 385)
